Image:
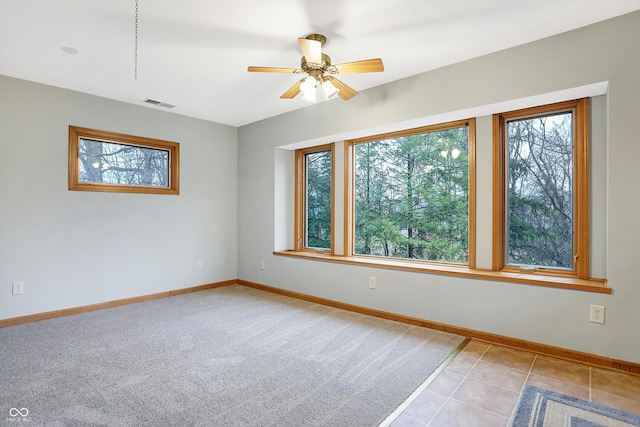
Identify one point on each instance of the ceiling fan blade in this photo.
(345, 92)
(273, 70)
(293, 91)
(312, 50)
(365, 66)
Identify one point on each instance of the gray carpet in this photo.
(232, 356)
(543, 408)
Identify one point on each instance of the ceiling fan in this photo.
(320, 71)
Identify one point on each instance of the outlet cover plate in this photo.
(596, 314)
(17, 288)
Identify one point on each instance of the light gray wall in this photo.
(603, 53)
(77, 248)
(74, 248)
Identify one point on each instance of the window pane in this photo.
(540, 191)
(110, 163)
(318, 200)
(412, 196)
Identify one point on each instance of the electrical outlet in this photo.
(596, 314)
(17, 288)
(199, 265)
(261, 264)
(372, 282)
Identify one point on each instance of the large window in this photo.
(314, 202)
(408, 199)
(412, 194)
(542, 189)
(112, 162)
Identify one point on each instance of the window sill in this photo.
(589, 285)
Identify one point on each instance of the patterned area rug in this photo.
(544, 408)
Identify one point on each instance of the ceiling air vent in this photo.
(158, 103)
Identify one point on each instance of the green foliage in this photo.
(318, 203)
(412, 197)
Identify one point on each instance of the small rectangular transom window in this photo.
(112, 162)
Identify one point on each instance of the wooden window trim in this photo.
(471, 123)
(349, 225)
(299, 198)
(456, 270)
(581, 232)
(349, 215)
(76, 133)
(580, 281)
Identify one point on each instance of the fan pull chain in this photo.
(135, 49)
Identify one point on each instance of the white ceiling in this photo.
(194, 53)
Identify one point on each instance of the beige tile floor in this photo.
(482, 385)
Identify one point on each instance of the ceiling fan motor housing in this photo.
(313, 69)
(317, 37)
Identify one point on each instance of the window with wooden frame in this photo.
(115, 162)
(541, 190)
(414, 194)
(408, 200)
(314, 199)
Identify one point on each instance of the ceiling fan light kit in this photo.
(308, 89)
(330, 91)
(317, 66)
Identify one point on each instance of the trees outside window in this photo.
(112, 162)
(409, 199)
(542, 189)
(412, 194)
(314, 202)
